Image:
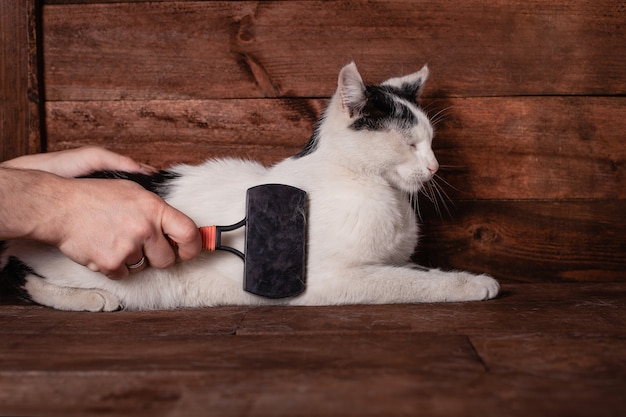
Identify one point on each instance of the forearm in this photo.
(34, 197)
(26, 201)
(102, 224)
(77, 162)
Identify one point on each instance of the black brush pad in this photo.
(275, 265)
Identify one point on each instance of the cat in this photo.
(370, 151)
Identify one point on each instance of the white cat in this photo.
(370, 151)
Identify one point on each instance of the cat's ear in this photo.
(351, 90)
(410, 85)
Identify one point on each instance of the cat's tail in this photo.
(3, 257)
(156, 183)
(13, 274)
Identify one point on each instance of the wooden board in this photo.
(533, 147)
(199, 50)
(550, 310)
(489, 148)
(163, 133)
(19, 80)
(529, 240)
(356, 393)
(540, 350)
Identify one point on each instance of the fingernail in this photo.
(147, 169)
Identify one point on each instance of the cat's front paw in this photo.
(479, 287)
(465, 286)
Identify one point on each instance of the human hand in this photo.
(105, 225)
(114, 223)
(78, 161)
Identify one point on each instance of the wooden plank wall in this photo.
(20, 129)
(531, 145)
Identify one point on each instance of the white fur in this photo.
(362, 228)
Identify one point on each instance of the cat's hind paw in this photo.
(99, 300)
(71, 299)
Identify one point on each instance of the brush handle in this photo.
(208, 235)
(212, 238)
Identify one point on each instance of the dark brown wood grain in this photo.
(19, 83)
(223, 352)
(385, 392)
(551, 310)
(222, 321)
(489, 148)
(528, 240)
(539, 349)
(532, 147)
(182, 50)
(162, 133)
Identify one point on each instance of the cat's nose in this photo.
(432, 168)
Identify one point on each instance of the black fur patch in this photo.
(407, 91)
(381, 109)
(13, 277)
(157, 183)
(311, 145)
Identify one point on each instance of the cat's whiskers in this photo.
(439, 116)
(432, 196)
(414, 204)
(440, 178)
(441, 193)
(434, 192)
(415, 200)
(428, 106)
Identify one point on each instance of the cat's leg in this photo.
(382, 284)
(70, 299)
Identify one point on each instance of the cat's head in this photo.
(380, 129)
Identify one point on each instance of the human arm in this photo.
(102, 224)
(78, 161)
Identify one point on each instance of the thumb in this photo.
(183, 232)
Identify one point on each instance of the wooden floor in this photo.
(539, 350)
